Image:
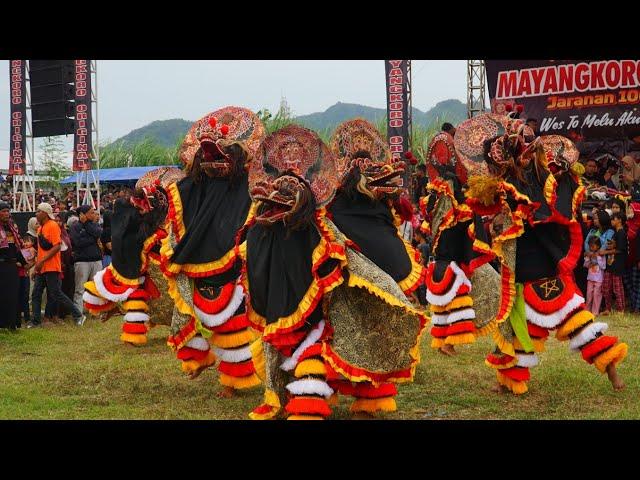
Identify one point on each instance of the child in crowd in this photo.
(617, 257)
(29, 254)
(595, 264)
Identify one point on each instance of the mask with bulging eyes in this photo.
(280, 199)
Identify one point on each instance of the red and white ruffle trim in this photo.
(554, 319)
(216, 319)
(313, 336)
(460, 280)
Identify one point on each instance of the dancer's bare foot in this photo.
(227, 392)
(498, 388)
(614, 378)
(448, 350)
(363, 416)
(192, 375)
(107, 315)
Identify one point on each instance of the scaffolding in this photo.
(475, 88)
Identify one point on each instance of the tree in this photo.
(52, 161)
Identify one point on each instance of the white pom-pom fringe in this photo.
(449, 318)
(461, 279)
(217, 319)
(198, 343)
(587, 334)
(554, 319)
(314, 335)
(102, 290)
(93, 300)
(136, 317)
(310, 386)
(233, 356)
(527, 360)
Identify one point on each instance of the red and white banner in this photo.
(82, 147)
(18, 121)
(397, 107)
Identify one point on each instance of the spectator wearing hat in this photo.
(10, 260)
(49, 266)
(87, 256)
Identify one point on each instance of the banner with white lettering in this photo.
(82, 147)
(584, 100)
(18, 123)
(397, 107)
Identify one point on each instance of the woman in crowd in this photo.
(601, 229)
(10, 260)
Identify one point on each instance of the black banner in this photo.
(590, 102)
(18, 123)
(82, 148)
(397, 107)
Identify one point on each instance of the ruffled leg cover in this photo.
(309, 389)
(368, 398)
(105, 291)
(573, 323)
(451, 305)
(226, 318)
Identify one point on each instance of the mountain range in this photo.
(168, 132)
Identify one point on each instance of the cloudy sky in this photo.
(132, 93)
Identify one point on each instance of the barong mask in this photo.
(364, 161)
(293, 174)
(560, 153)
(221, 143)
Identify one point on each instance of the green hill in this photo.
(167, 132)
(162, 132)
(452, 111)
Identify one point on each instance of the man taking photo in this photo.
(87, 256)
(49, 266)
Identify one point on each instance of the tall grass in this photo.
(142, 154)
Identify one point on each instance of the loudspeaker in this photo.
(54, 75)
(44, 64)
(50, 111)
(51, 128)
(61, 92)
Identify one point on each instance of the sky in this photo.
(133, 93)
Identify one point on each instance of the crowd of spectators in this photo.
(63, 246)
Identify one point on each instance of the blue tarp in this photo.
(113, 175)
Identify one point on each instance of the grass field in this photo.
(69, 372)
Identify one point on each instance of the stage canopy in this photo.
(115, 175)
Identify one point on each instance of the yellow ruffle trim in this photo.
(460, 339)
(614, 355)
(257, 356)
(232, 340)
(458, 302)
(516, 387)
(184, 308)
(271, 399)
(373, 405)
(416, 269)
(549, 189)
(146, 248)
(437, 342)
(304, 417)
(190, 366)
(575, 322)
(90, 287)
(129, 282)
(239, 383)
(503, 344)
(133, 338)
(135, 305)
(310, 366)
(357, 281)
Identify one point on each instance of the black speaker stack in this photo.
(52, 97)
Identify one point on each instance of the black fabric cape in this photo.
(126, 239)
(533, 187)
(370, 226)
(213, 209)
(279, 269)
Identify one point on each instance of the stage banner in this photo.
(18, 123)
(397, 107)
(585, 100)
(82, 148)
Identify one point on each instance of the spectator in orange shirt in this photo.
(49, 266)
